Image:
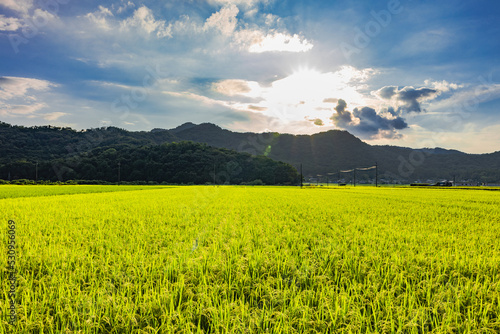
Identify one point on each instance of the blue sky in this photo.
(407, 73)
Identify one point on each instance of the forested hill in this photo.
(321, 153)
(179, 163)
(49, 142)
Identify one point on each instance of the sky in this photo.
(398, 72)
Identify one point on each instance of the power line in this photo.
(353, 171)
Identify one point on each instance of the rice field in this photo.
(203, 259)
(13, 191)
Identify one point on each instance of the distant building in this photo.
(467, 184)
(444, 183)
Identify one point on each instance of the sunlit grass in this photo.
(13, 191)
(236, 259)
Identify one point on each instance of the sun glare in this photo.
(307, 94)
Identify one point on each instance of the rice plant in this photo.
(255, 259)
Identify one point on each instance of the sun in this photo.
(305, 85)
(302, 95)
(308, 94)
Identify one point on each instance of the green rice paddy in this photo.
(204, 259)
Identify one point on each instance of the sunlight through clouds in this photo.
(281, 42)
(305, 94)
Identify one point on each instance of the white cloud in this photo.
(279, 42)
(16, 98)
(197, 97)
(224, 20)
(243, 3)
(467, 100)
(271, 19)
(126, 6)
(144, 19)
(114, 38)
(99, 18)
(12, 87)
(443, 86)
(21, 110)
(53, 116)
(232, 87)
(34, 19)
(10, 23)
(21, 6)
(45, 17)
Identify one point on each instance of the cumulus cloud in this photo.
(144, 19)
(386, 93)
(223, 29)
(20, 6)
(224, 21)
(126, 6)
(367, 123)
(371, 122)
(98, 17)
(27, 17)
(342, 118)
(408, 99)
(254, 39)
(444, 86)
(10, 23)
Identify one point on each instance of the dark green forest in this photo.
(70, 156)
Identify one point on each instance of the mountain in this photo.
(322, 153)
(328, 152)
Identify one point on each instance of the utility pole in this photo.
(327, 179)
(36, 172)
(376, 174)
(119, 171)
(301, 185)
(354, 172)
(214, 174)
